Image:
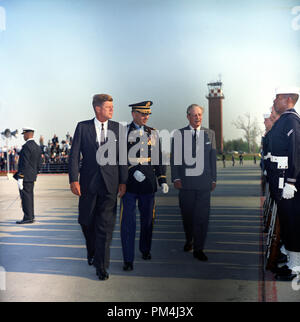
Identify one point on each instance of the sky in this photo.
(56, 54)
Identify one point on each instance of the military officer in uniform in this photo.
(269, 121)
(141, 185)
(285, 176)
(28, 168)
(264, 151)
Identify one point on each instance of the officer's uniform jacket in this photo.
(144, 160)
(265, 149)
(266, 152)
(29, 162)
(285, 141)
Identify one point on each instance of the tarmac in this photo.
(46, 261)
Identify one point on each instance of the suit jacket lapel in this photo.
(206, 137)
(92, 133)
(109, 126)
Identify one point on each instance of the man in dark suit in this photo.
(194, 183)
(99, 184)
(28, 168)
(144, 173)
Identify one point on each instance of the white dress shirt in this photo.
(197, 130)
(98, 126)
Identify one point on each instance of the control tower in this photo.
(215, 97)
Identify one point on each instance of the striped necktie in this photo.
(102, 136)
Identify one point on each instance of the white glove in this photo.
(164, 188)
(288, 191)
(20, 184)
(139, 176)
(265, 173)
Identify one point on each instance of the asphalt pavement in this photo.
(46, 261)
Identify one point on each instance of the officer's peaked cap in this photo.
(27, 129)
(142, 107)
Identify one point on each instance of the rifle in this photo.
(267, 209)
(273, 240)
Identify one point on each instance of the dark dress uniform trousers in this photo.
(27, 200)
(146, 205)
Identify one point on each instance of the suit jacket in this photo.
(153, 172)
(93, 177)
(209, 174)
(84, 144)
(29, 162)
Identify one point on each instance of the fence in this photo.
(46, 168)
(54, 168)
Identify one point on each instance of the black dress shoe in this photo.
(128, 266)
(23, 222)
(146, 256)
(102, 274)
(284, 274)
(188, 247)
(282, 258)
(90, 260)
(200, 255)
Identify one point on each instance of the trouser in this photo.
(289, 219)
(195, 209)
(98, 232)
(90, 238)
(27, 200)
(146, 205)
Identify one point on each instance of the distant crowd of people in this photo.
(13, 157)
(55, 152)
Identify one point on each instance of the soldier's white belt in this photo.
(282, 162)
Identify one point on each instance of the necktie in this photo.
(195, 134)
(102, 136)
(194, 143)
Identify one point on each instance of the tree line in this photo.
(239, 145)
(252, 134)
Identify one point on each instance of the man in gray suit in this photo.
(194, 181)
(99, 184)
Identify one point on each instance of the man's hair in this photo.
(293, 97)
(99, 99)
(192, 106)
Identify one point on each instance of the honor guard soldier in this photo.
(269, 120)
(264, 151)
(28, 168)
(144, 172)
(285, 177)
